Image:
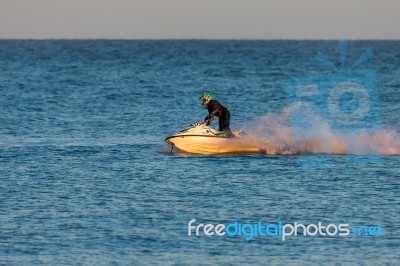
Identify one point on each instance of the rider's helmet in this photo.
(205, 99)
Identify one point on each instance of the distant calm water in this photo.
(85, 176)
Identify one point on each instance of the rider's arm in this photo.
(215, 105)
(215, 108)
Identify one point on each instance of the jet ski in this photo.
(199, 138)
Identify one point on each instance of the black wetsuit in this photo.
(216, 109)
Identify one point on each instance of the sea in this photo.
(86, 177)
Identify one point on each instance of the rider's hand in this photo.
(208, 120)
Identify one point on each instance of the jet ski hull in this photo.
(199, 138)
(212, 145)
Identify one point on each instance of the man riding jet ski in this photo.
(199, 138)
(215, 108)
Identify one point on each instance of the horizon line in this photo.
(195, 39)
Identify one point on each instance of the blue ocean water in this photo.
(85, 176)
